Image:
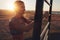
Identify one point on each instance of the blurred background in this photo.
(7, 13)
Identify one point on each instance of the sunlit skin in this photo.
(19, 9)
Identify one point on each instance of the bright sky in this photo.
(30, 4)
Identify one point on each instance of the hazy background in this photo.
(6, 13)
(30, 4)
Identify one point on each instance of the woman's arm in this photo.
(21, 26)
(29, 26)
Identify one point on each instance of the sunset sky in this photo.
(30, 4)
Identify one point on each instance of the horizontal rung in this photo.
(47, 2)
(45, 36)
(44, 30)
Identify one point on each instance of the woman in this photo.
(18, 24)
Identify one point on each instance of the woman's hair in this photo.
(18, 2)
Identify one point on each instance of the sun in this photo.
(10, 5)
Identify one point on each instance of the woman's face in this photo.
(20, 8)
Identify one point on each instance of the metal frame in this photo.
(37, 35)
(38, 20)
